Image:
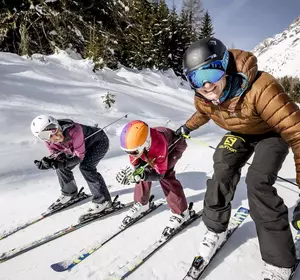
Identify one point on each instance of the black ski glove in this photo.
(296, 216)
(151, 175)
(44, 164)
(72, 161)
(58, 164)
(183, 130)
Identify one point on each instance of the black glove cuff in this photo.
(187, 129)
(151, 175)
(62, 164)
(72, 161)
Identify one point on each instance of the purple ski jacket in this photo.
(72, 145)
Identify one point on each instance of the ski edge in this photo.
(42, 216)
(138, 260)
(69, 264)
(5, 256)
(236, 220)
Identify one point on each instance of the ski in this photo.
(86, 252)
(116, 206)
(80, 196)
(297, 265)
(125, 270)
(199, 266)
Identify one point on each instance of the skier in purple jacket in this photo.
(71, 144)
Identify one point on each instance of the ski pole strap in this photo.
(197, 140)
(140, 170)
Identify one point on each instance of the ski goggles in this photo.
(211, 73)
(136, 152)
(48, 131)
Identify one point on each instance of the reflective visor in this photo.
(133, 153)
(211, 73)
(136, 153)
(49, 130)
(197, 78)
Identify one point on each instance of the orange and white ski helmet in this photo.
(135, 137)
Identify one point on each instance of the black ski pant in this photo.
(267, 209)
(88, 170)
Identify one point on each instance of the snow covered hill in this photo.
(65, 86)
(280, 54)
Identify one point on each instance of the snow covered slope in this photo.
(65, 86)
(280, 54)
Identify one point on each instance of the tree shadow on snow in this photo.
(197, 181)
(190, 180)
(121, 192)
(247, 231)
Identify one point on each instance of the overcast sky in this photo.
(245, 23)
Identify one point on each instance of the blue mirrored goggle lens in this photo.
(218, 64)
(197, 78)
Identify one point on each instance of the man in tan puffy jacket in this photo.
(261, 119)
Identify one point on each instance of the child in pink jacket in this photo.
(160, 149)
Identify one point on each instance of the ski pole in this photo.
(198, 140)
(55, 155)
(166, 124)
(171, 146)
(204, 143)
(141, 169)
(125, 116)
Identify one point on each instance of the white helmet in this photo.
(44, 126)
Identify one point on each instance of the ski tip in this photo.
(115, 199)
(81, 189)
(243, 210)
(2, 257)
(58, 267)
(190, 207)
(151, 198)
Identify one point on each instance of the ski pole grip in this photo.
(139, 171)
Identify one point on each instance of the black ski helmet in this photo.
(203, 52)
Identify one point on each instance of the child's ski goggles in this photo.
(49, 130)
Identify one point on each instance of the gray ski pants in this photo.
(88, 170)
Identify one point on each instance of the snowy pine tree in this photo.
(193, 10)
(206, 29)
(134, 33)
(108, 99)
